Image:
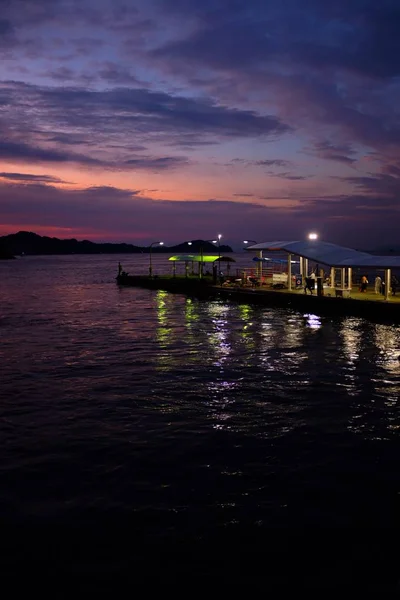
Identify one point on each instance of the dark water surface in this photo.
(195, 420)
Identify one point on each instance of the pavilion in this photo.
(332, 255)
(201, 259)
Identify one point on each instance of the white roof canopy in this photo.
(329, 254)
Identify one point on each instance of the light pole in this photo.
(259, 256)
(218, 241)
(201, 260)
(150, 263)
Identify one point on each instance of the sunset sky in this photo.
(180, 119)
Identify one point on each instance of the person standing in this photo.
(363, 284)
(313, 278)
(309, 285)
(378, 284)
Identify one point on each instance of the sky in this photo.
(146, 120)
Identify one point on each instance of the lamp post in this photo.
(260, 255)
(150, 263)
(201, 260)
(218, 241)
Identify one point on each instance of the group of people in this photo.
(380, 285)
(310, 283)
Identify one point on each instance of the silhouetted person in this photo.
(215, 272)
(363, 284)
(310, 284)
(378, 284)
(395, 285)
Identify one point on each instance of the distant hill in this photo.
(5, 254)
(26, 242)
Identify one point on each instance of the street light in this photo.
(201, 260)
(150, 264)
(313, 236)
(218, 241)
(260, 266)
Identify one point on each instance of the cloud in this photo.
(6, 28)
(323, 67)
(275, 162)
(114, 118)
(343, 153)
(21, 152)
(28, 177)
(244, 195)
(157, 164)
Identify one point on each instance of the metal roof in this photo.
(376, 262)
(329, 254)
(205, 258)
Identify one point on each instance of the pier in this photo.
(335, 295)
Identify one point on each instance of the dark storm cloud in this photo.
(28, 177)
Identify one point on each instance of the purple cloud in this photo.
(28, 177)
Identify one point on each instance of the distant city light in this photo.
(313, 236)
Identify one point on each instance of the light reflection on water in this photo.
(86, 365)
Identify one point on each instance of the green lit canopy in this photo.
(198, 258)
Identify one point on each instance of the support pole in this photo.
(305, 267)
(350, 275)
(333, 277)
(289, 272)
(301, 266)
(260, 256)
(387, 283)
(343, 278)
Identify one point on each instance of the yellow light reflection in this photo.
(163, 332)
(218, 338)
(191, 313)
